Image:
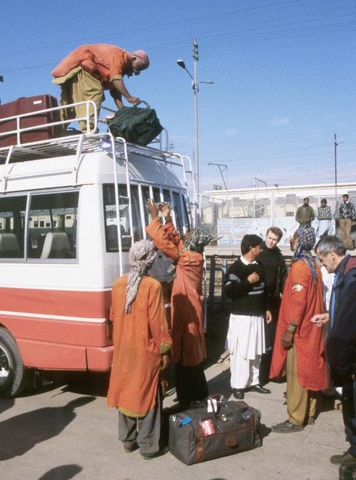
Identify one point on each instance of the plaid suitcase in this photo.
(28, 105)
(200, 434)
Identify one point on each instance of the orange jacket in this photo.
(187, 300)
(104, 62)
(139, 339)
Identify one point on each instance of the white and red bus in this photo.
(70, 208)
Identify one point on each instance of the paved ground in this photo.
(66, 431)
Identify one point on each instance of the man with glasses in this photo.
(341, 340)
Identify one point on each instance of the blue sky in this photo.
(283, 71)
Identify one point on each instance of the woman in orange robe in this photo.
(299, 346)
(188, 348)
(141, 344)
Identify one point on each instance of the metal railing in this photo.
(13, 129)
(51, 123)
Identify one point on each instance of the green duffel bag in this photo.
(135, 125)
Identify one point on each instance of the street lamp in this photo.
(335, 167)
(195, 87)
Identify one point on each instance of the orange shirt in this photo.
(187, 300)
(139, 339)
(104, 62)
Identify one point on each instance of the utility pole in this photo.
(1, 80)
(222, 168)
(335, 171)
(335, 163)
(195, 87)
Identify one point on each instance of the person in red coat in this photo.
(188, 347)
(141, 350)
(299, 345)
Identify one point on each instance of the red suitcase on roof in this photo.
(25, 105)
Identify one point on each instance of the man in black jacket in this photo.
(276, 273)
(341, 340)
(245, 286)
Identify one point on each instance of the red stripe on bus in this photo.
(65, 303)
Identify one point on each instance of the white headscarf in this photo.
(141, 257)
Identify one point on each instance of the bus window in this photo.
(181, 213)
(12, 214)
(156, 195)
(137, 226)
(111, 217)
(52, 225)
(166, 196)
(145, 196)
(153, 193)
(124, 217)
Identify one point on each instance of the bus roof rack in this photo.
(61, 141)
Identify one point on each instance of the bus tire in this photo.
(12, 369)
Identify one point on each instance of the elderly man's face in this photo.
(136, 66)
(329, 261)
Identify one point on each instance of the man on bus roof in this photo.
(89, 70)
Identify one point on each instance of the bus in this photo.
(70, 209)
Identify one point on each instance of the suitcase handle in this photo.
(147, 105)
(221, 401)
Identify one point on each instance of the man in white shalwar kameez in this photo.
(245, 286)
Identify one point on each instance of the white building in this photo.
(236, 212)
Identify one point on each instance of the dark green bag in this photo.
(135, 125)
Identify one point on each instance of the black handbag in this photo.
(200, 434)
(135, 124)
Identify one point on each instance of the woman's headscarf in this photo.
(197, 240)
(304, 243)
(141, 257)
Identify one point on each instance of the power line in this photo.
(282, 28)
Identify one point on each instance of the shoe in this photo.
(130, 447)
(286, 427)
(259, 389)
(238, 393)
(160, 453)
(345, 459)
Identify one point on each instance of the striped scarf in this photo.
(141, 257)
(304, 243)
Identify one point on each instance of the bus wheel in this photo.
(12, 370)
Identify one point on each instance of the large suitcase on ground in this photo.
(201, 434)
(26, 105)
(135, 125)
